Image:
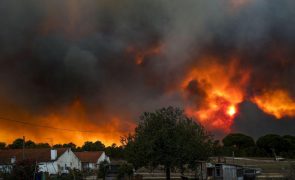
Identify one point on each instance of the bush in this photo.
(23, 170)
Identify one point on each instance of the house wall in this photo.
(67, 160)
(6, 168)
(50, 167)
(102, 158)
(229, 172)
(92, 165)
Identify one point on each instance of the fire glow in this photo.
(69, 124)
(277, 103)
(215, 96)
(218, 96)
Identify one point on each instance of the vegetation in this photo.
(102, 170)
(22, 170)
(125, 171)
(2, 145)
(90, 146)
(167, 137)
(240, 144)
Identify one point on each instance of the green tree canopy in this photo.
(70, 145)
(90, 146)
(273, 142)
(16, 144)
(238, 140)
(43, 145)
(167, 137)
(114, 151)
(2, 145)
(57, 146)
(30, 144)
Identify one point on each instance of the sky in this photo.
(97, 65)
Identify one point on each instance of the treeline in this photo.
(233, 144)
(242, 145)
(237, 144)
(113, 151)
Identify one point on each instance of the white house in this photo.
(53, 161)
(90, 160)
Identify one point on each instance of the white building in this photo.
(53, 161)
(90, 160)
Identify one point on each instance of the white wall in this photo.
(6, 168)
(102, 158)
(50, 167)
(67, 159)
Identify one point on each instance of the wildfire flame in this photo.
(220, 95)
(277, 103)
(231, 111)
(217, 89)
(75, 118)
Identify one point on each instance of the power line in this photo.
(44, 126)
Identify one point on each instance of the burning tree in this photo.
(167, 137)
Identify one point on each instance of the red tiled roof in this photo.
(40, 155)
(89, 156)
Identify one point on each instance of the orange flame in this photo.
(223, 88)
(277, 103)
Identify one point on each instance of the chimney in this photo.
(13, 160)
(53, 154)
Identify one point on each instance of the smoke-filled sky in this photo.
(96, 65)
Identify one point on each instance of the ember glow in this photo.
(97, 65)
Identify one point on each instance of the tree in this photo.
(240, 144)
(273, 143)
(42, 145)
(70, 145)
(103, 169)
(114, 151)
(290, 140)
(238, 140)
(167, 137)
(125, 169)
(90, 146)
(57, 146)
(30, 144)
(25, 169)
(16, 144)
(2, 145)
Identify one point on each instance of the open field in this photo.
(267, 165)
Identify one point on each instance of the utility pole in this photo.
(24, 140)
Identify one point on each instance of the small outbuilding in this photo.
(221, 171)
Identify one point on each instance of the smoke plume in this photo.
(96, 65)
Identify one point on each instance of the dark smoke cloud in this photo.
(253, 121)
(53, 52)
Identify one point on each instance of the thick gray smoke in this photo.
(54, 52)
